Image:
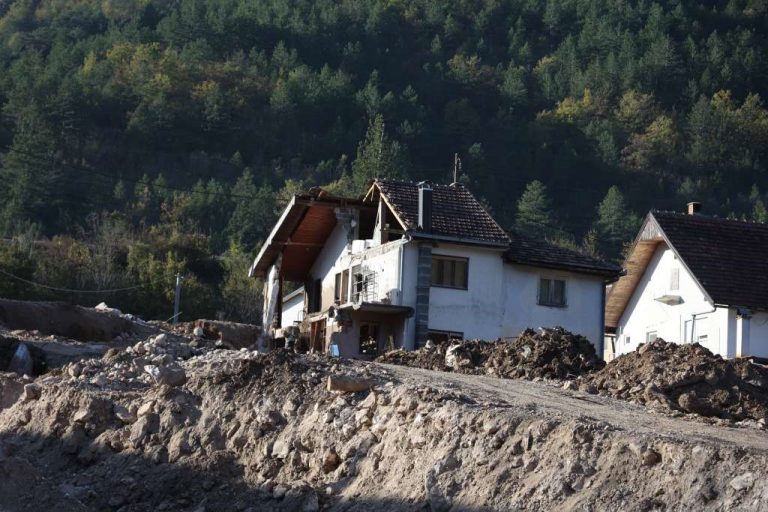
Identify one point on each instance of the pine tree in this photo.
(534, 216)
(378, 156)
(615, 225)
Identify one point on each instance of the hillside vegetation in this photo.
(140, 138)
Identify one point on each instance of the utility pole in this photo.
(177, 298)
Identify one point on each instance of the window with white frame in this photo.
(552, 292)
(650, 336)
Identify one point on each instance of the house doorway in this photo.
(317, 336)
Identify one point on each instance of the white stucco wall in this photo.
(581, 315)
(683, 323)
(758, 334)
(327, 263)
(293, 310)
(478, 310)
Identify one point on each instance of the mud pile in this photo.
(252, 432)
(685, 378)
(543, 354)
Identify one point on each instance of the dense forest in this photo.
(144, 138)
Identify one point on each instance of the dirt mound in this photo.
(686, 378)
(247, 431)
(546, 353)
(62, 319)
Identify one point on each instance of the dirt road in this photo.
(555, 402)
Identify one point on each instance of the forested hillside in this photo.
(143, 137)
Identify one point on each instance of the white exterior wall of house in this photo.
(293, 311)
(758, 335)
(477, 311)
(500, 299)
(581, 315)
(694, 320)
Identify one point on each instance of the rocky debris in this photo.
(546, 353)
(167, 375)
(248, 431)
(686, 379)
(230, 334)
(21, 362)
(62, 319)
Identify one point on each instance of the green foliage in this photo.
(241, 295)
(191, 116)
(615, 224)
(534, 215)
(378, 156)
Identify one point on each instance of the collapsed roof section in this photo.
(454, 215)
(300, 234)
(457, 216)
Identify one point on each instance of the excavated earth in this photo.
(546, 353)
(171, 423)
(686, 379)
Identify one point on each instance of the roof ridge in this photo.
(711, 218)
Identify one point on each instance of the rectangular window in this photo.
(552, 292)
(650, 336)
(450, 272)
(674, 279)
(341, 287)
(627, 340)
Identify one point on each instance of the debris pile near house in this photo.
(546, 354)
(685, 378)
(244, 431)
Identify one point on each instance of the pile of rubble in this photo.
(542, 354)
(245, 431)
(687, 379)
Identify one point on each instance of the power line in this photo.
(69, 290)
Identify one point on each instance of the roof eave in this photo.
(413, 234)
(268, 242)
(607, 273)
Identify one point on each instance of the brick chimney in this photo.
(425, 206)
(694, 208)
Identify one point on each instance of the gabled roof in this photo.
(456, 214)
(525, 250)
(728, 259)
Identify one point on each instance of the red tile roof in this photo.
(456, 213)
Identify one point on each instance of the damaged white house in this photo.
(410, 262)
(693, 278)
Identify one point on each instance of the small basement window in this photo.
(450, 272)
(651, 336)
(441, 336)
(552, 292)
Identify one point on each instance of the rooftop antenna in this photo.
(456, 168)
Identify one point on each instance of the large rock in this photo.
(167, 375)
